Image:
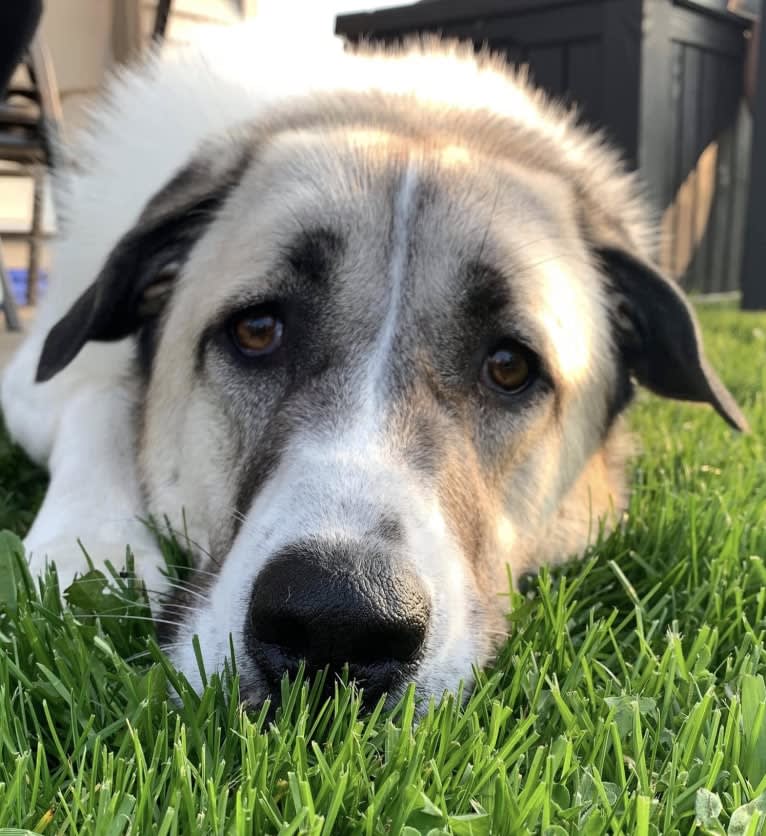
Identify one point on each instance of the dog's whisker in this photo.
(107, 577)
(176, 643)
(185, 588)
(239, 516)
(246, 524)
(118, 616)
(154, 595)
(489, 224)
(182, 535)
(112, 587)
(535, 242)
(137, 657)
(567, 257)
(194, 570)
(167, 596)
(198, 596)
(178, 609)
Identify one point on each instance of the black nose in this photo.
(334, 605)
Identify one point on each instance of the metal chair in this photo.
(30, 125)
(30, 120)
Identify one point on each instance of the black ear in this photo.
(659, 337)
(139, 274)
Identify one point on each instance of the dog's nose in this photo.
(338, 605)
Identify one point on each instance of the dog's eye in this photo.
(509, 368)
(256, 333)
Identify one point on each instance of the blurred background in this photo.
(675, 84)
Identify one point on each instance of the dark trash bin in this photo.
(663, 78)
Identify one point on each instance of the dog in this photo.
(364, 324)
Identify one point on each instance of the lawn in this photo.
(629, 699)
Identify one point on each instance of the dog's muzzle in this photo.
(334, 604)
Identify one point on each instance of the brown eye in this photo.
(256, 334)
(509, 368)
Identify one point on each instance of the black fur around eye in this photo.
(257, 332)
(509, 368)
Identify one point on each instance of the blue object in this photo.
(18, 279)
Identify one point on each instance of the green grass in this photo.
(629, 699)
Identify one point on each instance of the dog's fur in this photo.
(406, 211)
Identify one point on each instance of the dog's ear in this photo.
(659, 338)
(136, 281)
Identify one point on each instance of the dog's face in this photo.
(381, 366)
(376, 385)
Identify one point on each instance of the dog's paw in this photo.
(69, 557)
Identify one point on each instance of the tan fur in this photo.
(429, 175)
(530, 219)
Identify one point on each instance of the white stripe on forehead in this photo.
(403, 208)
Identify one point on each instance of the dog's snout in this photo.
(339, 605)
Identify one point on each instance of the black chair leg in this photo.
(8, 303)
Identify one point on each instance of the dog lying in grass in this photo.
(365, 331)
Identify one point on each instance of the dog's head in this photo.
(385, 347)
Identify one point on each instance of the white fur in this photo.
(321, 491)
(80, 423)
(401, 239)
(93, 495)
(155, 116)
